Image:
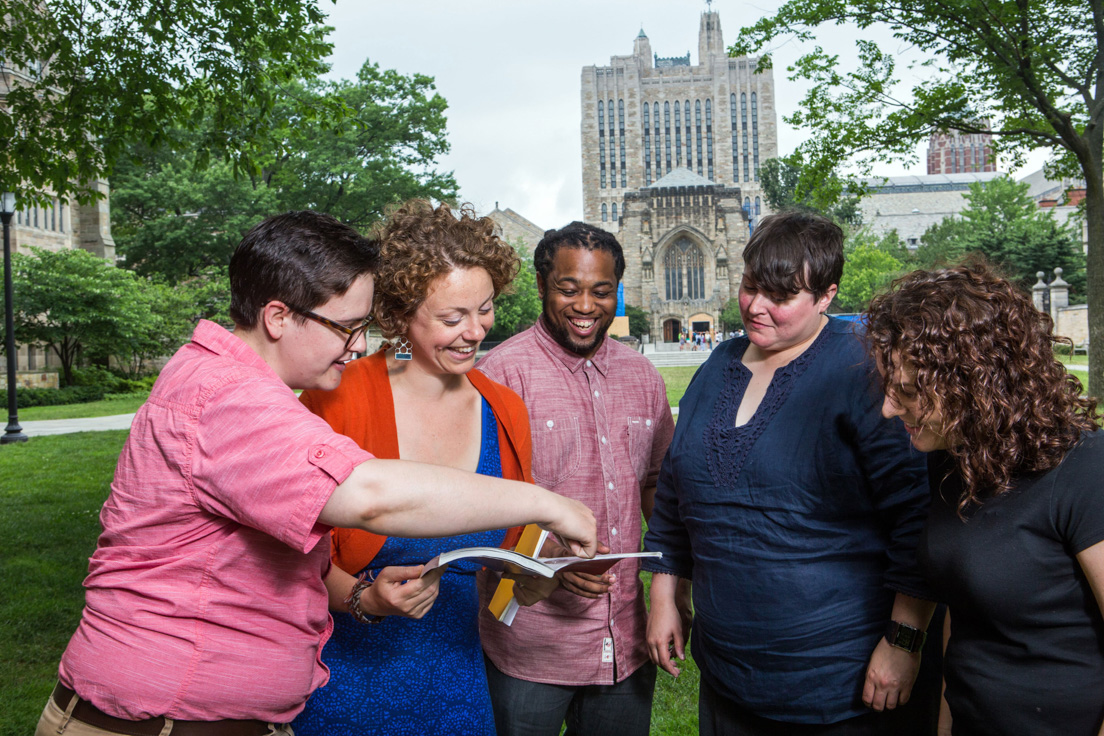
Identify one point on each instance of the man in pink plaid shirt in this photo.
(205, 610)
(601, 425)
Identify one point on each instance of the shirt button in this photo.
(613, 532)
(550, 424)
(596, 394)
(648, 422)
(603, 440)
(320, 453)
(589, 364)
(610, 486)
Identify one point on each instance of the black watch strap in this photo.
(906, 637)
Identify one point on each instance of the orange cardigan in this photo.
(362, 408)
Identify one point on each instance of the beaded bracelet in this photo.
(352, 602)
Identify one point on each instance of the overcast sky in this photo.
(510, 71)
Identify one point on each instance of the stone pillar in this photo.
(1038, 291)
(1059, 294)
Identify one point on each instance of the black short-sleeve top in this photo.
(1026, 654)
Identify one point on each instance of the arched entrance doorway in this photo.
(671, 330)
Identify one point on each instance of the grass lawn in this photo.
(108, 407)
(677, 379)
(51, 489)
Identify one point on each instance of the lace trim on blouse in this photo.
(726, 445)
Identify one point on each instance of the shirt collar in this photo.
(220, 341)
(572, 361)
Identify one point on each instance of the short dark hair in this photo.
(577, 235)
(300, 258)
(793, 250)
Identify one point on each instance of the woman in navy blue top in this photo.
(1014, 541)
(794, 508)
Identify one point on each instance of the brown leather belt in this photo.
(85, 712)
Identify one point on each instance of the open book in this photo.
(504, 560)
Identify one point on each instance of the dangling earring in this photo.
(402, 349)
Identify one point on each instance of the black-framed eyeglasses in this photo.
(353, 333)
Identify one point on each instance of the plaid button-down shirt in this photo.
(600, 430)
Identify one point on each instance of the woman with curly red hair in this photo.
(1014, 542)
(405, 656)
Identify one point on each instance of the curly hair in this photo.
(419, 244)
(985, 356)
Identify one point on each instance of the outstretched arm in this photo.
(406, 499)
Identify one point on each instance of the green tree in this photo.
(640, 320)
(1002, 223)
(730, 316)
(1031, 72)
(173, 217)
(781, 179)
(520, 306)
(72, 302)
(85, 79)
(870, 262)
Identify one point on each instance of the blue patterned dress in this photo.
(413, 677)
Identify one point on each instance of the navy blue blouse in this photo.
(796, 528)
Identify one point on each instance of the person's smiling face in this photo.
(902, 399)
(580, 298)
(448, 326)
(313, 355)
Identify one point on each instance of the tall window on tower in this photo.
(678, 134)
(755, 133)
(647, 144)
(655, 122)
(621, 137)
(684, 271)
(612, 150)
(602, 144)
(686, 107)
(735, 147)
(709, 137)
(743, 128)
(667, 134)
(698, 130)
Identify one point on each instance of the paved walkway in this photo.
(66, 426)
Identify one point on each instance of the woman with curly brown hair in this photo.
(417, 668)
(1014, 541)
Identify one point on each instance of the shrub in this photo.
(28, 397)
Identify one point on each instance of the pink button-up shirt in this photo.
(600, 430)
(204, 598)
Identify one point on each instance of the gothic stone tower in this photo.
(671, 159)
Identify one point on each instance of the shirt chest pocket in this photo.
(640, 432)
(555, 450)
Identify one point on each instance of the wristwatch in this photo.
(906, 637)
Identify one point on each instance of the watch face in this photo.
(906, 637)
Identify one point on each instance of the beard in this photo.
(569, 342)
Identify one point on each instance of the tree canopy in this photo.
(519, 306)
(781, 178)
(174, 217)
(1031, 73)
(84, 80)
(870, 262)
(1003, 223)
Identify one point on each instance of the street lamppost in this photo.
(13, 432)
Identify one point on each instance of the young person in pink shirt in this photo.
(205, 610)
